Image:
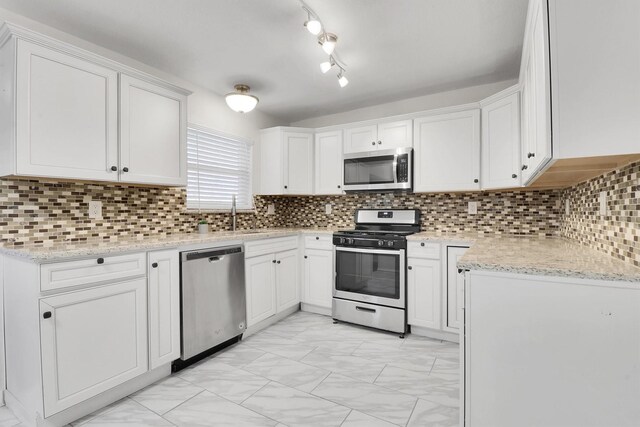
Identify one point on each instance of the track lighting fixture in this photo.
(328, 43)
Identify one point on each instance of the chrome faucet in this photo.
(233, 213)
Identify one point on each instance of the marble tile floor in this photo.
(301, 371)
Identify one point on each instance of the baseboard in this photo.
(325, 311)
(270, 321)
(435, 334)
(88, 406)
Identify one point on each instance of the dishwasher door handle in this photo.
(216, 258)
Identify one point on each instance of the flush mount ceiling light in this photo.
(240, 101)
(328, 42)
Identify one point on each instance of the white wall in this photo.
(411, 105)
(204, 108)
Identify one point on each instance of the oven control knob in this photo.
(380, 242)
(342, 240)
(390, 243)
(350, 241)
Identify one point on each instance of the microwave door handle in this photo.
(395, 169)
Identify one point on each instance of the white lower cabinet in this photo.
(287, 291)
(261, 288)
(164, 307)
(423, 292)
(271, 282)
(454, 293)
(92, 341)
(318, 277)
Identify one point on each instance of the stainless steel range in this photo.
(370, 281)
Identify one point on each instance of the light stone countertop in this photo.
(62, 251)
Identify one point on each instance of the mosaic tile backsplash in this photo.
(43, 212)
(616, 233)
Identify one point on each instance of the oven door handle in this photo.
(370, 251)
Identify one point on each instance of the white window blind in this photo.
(218, 167)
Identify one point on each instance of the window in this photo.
(218, 167)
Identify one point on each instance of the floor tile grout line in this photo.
(415, 405)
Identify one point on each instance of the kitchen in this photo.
(449, 238)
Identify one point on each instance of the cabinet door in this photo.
(395, 135)
(298, 158)
(423, 292)
(67, 115)
(360, 139)
(501, 143)
(271, 166)
(164, 308)
(92, 341)
(261, 288)
(153, 133)
(527, 122)
(328, 163)
(454, 288)
(287, 279)
(447, 152)
(318, 277)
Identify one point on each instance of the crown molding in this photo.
(9, 30)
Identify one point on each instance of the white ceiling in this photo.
(393, 49)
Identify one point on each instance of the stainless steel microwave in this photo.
(382, 170)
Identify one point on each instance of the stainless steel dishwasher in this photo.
(212, 298)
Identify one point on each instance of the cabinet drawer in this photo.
(94, 270)
(318, 241)
(425, 249)
(268, 246)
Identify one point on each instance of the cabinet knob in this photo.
(274, 261)
(317, 238)
(114, 168)
(409, 268)
(285, 187)
(525, 167)
(373, 143)
(514, 176)
(278, 261)
(476, 180)
(460, 271)
(379, 142)
(154, 265)
(339, 186)
(530, 155)
(305, 257)
(421, 243)
(100, 260)
(46, 314)
(125, 169)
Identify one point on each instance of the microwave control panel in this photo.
(403, 168)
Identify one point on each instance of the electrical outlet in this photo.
(95, 209)
(328, 209)
(566, 207)
(603, 203)
(271, 209)
(472, 208)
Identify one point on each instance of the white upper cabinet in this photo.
(61, 109)
(286, 161)
(501, 142)
(328, 163)
(153, 134)
(447, 151)
(382, 136)
(298, 172)
(66, 116)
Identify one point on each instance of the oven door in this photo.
(375, 276)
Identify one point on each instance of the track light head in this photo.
(326, 66)
(328, 42)
(342, 80)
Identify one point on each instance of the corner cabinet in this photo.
(153, 133)
(286, 161)
(68, 113)
(447, 151)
